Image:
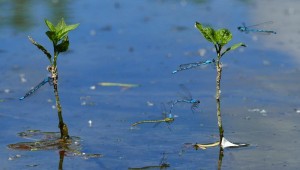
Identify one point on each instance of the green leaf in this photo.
(50, 25)
(57, 33)
(52, 36)
(60, 25)
(235, 46)
(223, 36)
(207, 32)
(64, 45)
(41, 48)
(64, 31)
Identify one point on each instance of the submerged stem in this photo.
(221, 155)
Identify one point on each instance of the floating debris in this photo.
(202, 52)
(87, 101)
(32, 165)
(11, 158)
(50, 141)
(263, 112)
(226, 144)
(90, 123)
(206, 145)
(93, 87)
(150, 103)
(124, 85)
(22, 78)
(7, 90)
(297, 110)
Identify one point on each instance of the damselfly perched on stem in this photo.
(30, 92)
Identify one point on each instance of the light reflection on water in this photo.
(142, 43)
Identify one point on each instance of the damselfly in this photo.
(193, 65)
(248, 29)
(186, 98)
(168, 118)
(30, 92)
(162, 165)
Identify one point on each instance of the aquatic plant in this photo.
(219, 38)
(58, 35)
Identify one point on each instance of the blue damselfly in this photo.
(250, 28)
(186, 98)
(30, 92)
(193, 65)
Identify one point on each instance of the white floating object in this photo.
(150, 103)
(90, 123)
(93, 87)
(6, 91)
(202, 52)
(226, 144)
(22, 78)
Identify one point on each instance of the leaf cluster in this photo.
(218, 37)
(58, 35)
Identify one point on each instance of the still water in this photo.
(142, 42)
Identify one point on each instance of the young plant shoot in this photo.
(59, 36)
(219, 38)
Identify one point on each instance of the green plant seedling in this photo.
(219, 38)
(58, 35)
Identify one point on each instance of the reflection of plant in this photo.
(59, 36)
(219, 38)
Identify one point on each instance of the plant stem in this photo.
(64, 133)
(218, 91)
(221, 155)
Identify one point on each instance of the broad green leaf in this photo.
(52, 36)
(50, 25)
(60, 25)
(41, 48)
(235, 46)
(207, 32)
(223, 36)
(64, 31)
(59, 32)
(64, 45)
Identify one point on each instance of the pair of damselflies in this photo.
(168, 116)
